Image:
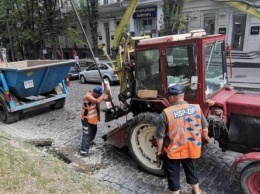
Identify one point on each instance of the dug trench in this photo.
(66, 155)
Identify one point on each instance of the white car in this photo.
(91, 74)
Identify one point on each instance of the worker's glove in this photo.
(106, 91)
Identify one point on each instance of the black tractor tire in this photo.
(141, 142)
(58, 104)
(82, 79)
(6, 116)
(250, 178)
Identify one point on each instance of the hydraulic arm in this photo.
(244, 6)
(121, 42)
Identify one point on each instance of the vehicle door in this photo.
(181, 67)
(90, 73)
(103, 69)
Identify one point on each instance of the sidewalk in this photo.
(246, 63)
(245, 74)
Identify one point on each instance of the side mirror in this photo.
(194, 83)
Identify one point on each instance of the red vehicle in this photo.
(198, 62)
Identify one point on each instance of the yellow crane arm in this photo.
(245, 8)
(124, 21)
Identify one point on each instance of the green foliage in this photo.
(90, 9)
(173, 20)
(25, 169)
(72, 34)
(31, 24)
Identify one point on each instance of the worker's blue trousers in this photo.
(89, 134)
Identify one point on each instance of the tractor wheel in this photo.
(142, 143)
(6, 116)
(250, 178)
(58, 104)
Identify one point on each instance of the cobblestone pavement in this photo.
(115, 167)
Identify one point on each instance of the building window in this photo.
(147, 24)
(105, 2)
(209, 24)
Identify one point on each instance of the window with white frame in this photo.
(147, 24)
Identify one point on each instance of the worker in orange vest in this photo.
(179, 134)
(90, 115)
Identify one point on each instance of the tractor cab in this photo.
(195, 60)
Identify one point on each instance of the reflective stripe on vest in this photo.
(184, 131)
(91, 114)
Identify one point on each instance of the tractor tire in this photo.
(58, 104)
(141, 141)
(250, 178)
(6, 116)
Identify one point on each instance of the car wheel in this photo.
(58, 104)
(82, 79)
(6, 116)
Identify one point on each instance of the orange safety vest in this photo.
(91, 112)
(184, 131)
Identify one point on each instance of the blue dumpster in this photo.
(27, 84)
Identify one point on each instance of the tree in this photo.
(173, 19)
(90, 9)
(32, 24)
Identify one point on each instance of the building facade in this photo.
(110, 15)
(241, 29)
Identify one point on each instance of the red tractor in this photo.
(198, 62)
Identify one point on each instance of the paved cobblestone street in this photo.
(115, 167)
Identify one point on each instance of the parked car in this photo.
(91, 74)
(74, 71)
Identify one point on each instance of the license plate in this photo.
(74, 74)
(28, 84)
